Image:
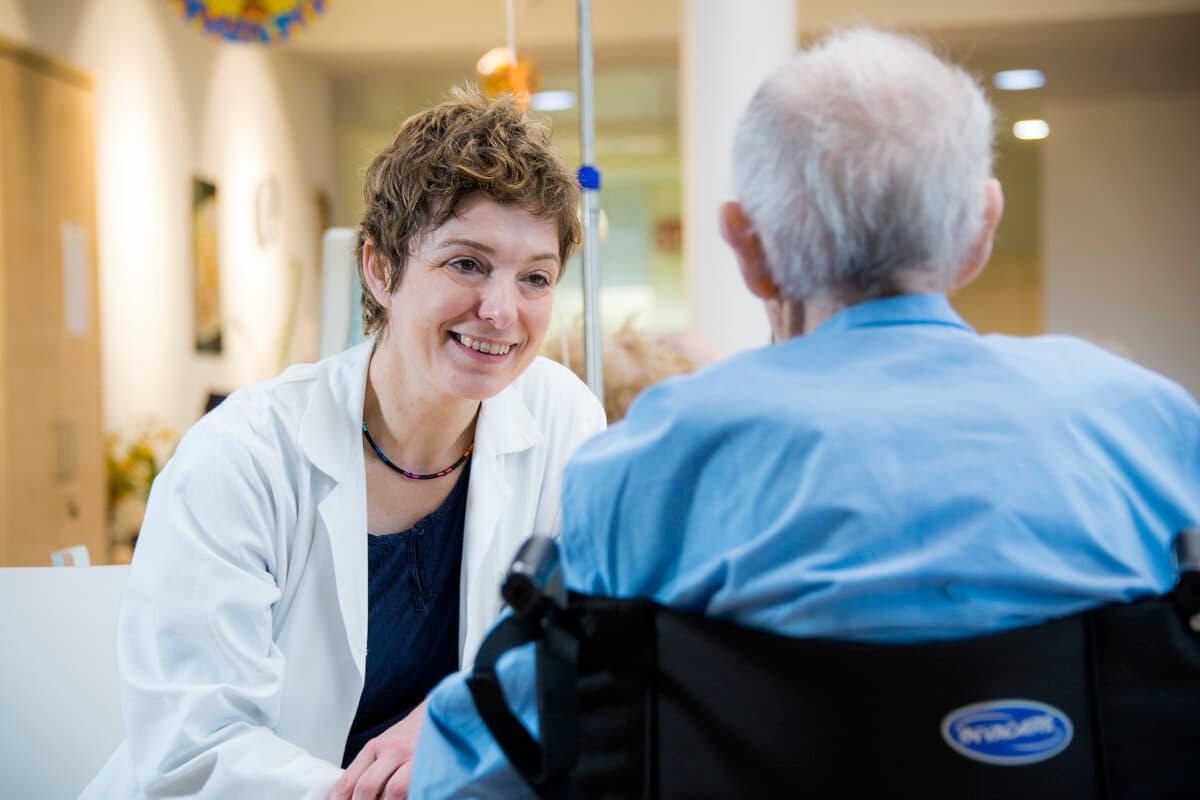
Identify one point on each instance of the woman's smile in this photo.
(490, 350)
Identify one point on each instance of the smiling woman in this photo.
(474, 303)
(326, 546)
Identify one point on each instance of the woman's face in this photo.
(474, 300)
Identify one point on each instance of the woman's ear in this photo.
(374, 269)
(982, 250)
(738, 233)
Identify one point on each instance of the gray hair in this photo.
(861, 160)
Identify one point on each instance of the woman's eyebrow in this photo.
(469, 243)
(483, 248)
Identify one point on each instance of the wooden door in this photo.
(52, 468)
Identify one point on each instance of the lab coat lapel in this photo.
(329, 436)
(505, 427)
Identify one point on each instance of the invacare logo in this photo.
(1008, 732)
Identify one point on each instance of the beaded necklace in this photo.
(413, 475)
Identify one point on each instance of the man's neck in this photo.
(801, 317)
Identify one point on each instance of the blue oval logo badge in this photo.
(1008, 732)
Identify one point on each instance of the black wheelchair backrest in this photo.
(642, 700)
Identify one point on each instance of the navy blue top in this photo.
(412, 618)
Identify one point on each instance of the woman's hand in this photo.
(382, 768)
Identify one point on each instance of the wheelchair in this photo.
(639, 700)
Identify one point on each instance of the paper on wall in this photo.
(76, 291)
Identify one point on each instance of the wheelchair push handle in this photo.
(534, 577)
(1186, 550)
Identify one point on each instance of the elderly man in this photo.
(882, 472)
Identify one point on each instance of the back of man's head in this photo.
(861, 161)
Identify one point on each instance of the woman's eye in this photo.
(465, 265)
(539, 280)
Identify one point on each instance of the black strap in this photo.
(544, 765)
(525, 754)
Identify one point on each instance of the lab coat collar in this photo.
(505, 427)
(329, 438)
(506, 424)
(334, 410)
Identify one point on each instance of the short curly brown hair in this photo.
(440, 156)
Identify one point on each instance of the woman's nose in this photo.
(498, 304)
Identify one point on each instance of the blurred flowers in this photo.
(132, 463)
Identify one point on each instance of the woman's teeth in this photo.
(483, 347)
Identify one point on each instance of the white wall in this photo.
(172, 103)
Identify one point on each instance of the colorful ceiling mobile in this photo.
(262, 21)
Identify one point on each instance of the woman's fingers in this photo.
(371, 783)
(397, 785)
(345, 784)
(383, 766)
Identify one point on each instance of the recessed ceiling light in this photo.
(1031, 129)
(552, 101)
(1016, 80)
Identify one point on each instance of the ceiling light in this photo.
(553, 101)
(1016, 80)
(1031, 129)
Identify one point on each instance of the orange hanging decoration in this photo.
(500, 73)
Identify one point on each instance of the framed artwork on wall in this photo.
(206, 272)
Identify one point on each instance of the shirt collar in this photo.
(904, 309)
(506, 425)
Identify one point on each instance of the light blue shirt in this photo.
(892, 476)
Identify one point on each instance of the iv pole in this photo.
(589, 183)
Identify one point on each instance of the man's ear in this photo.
(982, 249)
(374, 271)
(738, 233)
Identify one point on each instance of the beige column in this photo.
(727, 48)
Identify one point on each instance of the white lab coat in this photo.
(243, 630)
